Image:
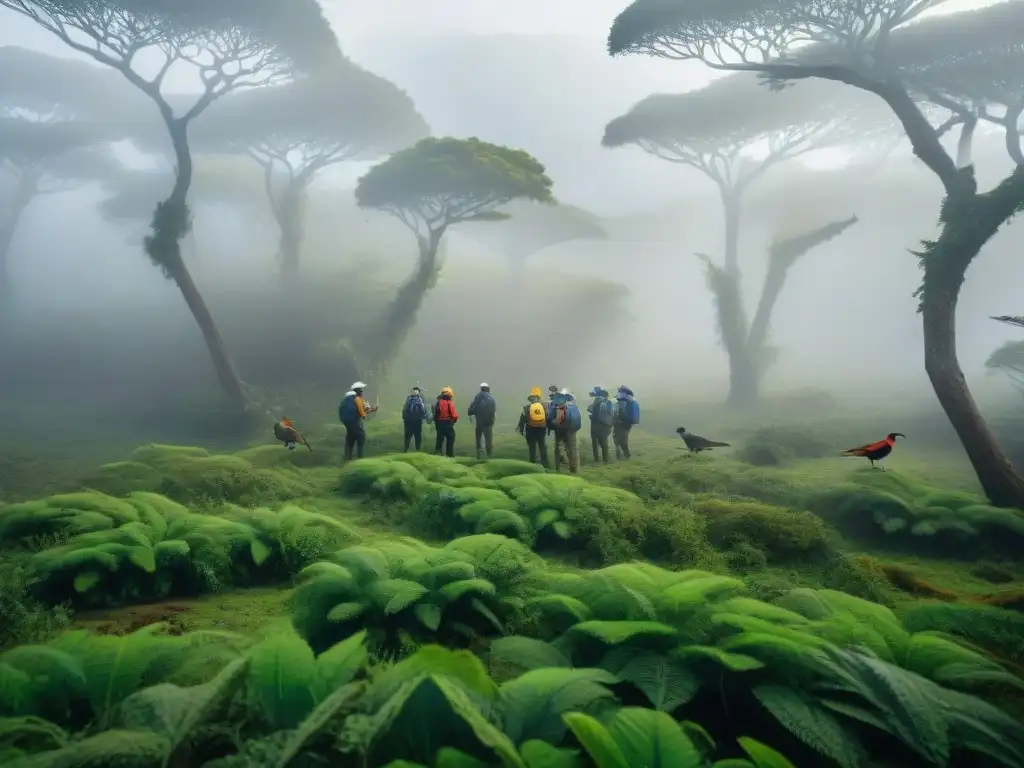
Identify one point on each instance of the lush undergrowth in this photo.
(669, 611)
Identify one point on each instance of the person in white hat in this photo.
(351, 412)
(483, 410)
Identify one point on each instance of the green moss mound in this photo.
(775, 444)
(194, 476)
(109, 551)
(895, 512)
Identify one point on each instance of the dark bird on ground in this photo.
(286, 432)
(876, 451)
(696, 443)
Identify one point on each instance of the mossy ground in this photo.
(662, 475)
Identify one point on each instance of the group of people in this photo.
(558, 415)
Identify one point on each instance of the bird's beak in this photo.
(899, 434)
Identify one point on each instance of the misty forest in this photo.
(640, 386)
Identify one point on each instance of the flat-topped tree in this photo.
(733, 131)
(436, 184)
(55, 131)
(767, 38)
(227, 45)
(295, 131)
(532, 227)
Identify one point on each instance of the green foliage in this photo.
(23, 619)
(997, 630)
(193, 475)
(406, 593)
(147, 547)
(439, 182)
(896, 512)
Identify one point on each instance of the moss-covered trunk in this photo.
(400, 317)
(966, 226)
(170, 225)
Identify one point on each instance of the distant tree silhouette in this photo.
(434, 185)
(716, 130)
(55, 131)
(967, 62)
(294, 131)
(229, 44)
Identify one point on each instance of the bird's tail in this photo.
(713, 444)
(853, 452)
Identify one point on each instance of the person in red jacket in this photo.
(445, 417)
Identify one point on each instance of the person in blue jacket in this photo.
(414, 413)
(565, 421)
(627, 415)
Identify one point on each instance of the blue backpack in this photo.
(347, 413)
(415, 409)
(575, 417)
(604, 412)
(629, 411)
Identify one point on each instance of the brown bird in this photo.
(696, 443)
(286, 432)
(876, 451)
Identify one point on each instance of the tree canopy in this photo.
(714, 128)
(228, 43)
(348, 114)
(440, 182)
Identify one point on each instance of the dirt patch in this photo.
(122, 621)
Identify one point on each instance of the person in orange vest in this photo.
(533, 425)
(351, 412)
(445, 418)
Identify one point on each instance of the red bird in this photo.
(876, 451)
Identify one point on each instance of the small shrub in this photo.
(23, 619)
(783, 535)
(998, 630)
(773, 445)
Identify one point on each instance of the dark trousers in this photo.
(445, 438)
(537, 443)
(567, 440)
(599, 434)
(413, 432)
(620, 436)
(355, 437)
(485, 434)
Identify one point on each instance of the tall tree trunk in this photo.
(967, 225)
(743, 389)
(24, 192)
(401, 314)
(288, 210)
(782, 255)
(170, 225)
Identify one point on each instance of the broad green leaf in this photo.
(812, 724)
(763, 756)
(666, 681)
(535, 701)
(85, 581)
(734, 662)
(131, 749)
(650, 739)
(343, 612)
(282, 679)
(615, 632)
(596, 741)
(143, 558)
(341, 662)
(337, 705)
(259, 551)
(428, 614)
(540, 754)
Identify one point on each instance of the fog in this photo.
(630, 306)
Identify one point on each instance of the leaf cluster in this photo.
(440, 182)
(347, 113)
(622, 660)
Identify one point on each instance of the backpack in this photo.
(536, 416)
(415, 409)
(445, 411)
(629, 411)
(567, 417)
(604, 412)
(485, 407)
(347, 413)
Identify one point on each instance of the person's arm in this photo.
(522, 419)
(360, 408)
(473, 405)
(455, 414)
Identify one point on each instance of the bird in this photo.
(285, 431)
(696, 443)
(876, 451)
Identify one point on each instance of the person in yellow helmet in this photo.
(533, 425)
(445, 417)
